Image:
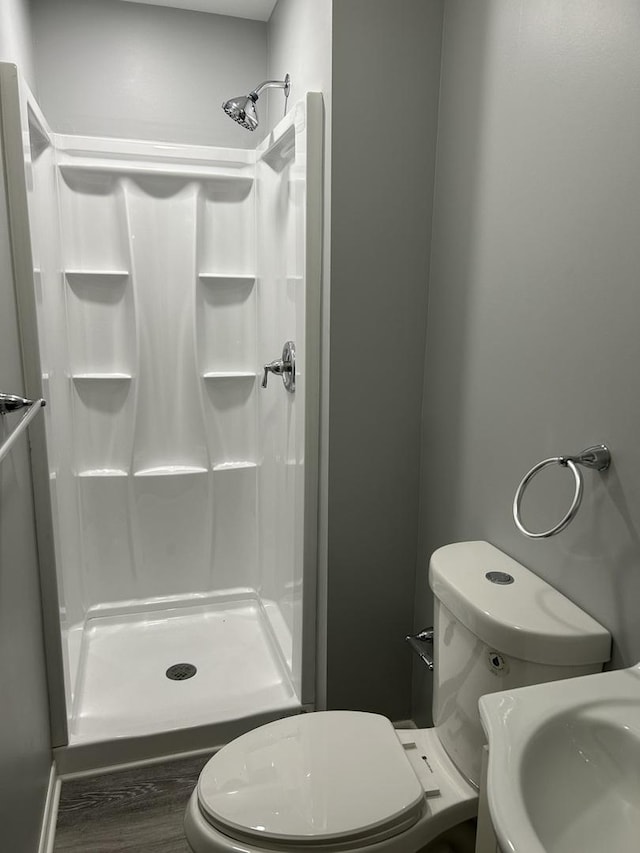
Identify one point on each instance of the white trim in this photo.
(131, 765)
(71, 148)
(50, 814)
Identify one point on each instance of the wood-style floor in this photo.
(142, 810)
(133, 811)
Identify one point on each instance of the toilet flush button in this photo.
(502, 578)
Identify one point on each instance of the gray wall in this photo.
(386, 62)
(533, 347)
(299, 43)
(106, 68)
(25, 755)
(15, 37)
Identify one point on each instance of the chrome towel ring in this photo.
(597, 457)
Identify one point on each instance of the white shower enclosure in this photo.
(156, 281)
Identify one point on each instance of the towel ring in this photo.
(597, 457)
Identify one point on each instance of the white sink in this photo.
(564, 765)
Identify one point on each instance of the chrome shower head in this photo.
(243, 108)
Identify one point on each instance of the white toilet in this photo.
(348, 781)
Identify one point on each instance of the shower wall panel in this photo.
(158, 252)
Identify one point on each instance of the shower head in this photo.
(243, 108)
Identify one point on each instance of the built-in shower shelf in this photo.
(90, 377)
(219, 278)
(107, 275)
(229, 374)
(234, 466)
(170, 471)
(103, 472)
(163, 170)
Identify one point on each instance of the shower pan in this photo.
(176, 496)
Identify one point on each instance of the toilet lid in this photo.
(320, 777)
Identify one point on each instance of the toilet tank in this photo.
(498, 626)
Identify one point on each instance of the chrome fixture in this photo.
(12, 403)
(597, 457)
(285, 367)
(243, 108)
(501, 578)
(422, 645)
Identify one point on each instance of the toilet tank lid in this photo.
(527, 619)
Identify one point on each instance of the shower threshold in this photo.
(123, 690)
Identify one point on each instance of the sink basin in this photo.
(564, 765)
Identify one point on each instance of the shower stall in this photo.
(176, 495)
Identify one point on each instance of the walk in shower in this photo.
(182, 493)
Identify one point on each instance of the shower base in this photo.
(123, 691)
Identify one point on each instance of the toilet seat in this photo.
(318, 780)
(208, 830)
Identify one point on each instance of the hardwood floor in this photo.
(137, 810)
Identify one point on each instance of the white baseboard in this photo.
(50, 814)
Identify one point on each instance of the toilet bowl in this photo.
(347, 780)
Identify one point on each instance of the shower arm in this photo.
(272, 84)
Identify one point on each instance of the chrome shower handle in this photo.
(285, 367)
(276, 367)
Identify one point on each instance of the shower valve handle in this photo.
(276, 367)
(285, 367)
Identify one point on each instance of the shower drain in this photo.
(181, 671)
